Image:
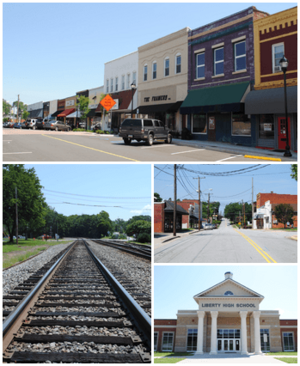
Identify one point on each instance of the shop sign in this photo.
(228, 305)
(212, 123)
(158, 98)
(267, 126)
(69, 103)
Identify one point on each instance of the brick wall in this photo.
(275, 198)
(168, 323)
(289, 323)
(186, 205)
(159, 217)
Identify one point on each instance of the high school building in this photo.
(228, 319)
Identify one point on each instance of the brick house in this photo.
(228, 319)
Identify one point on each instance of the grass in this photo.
(168, 360)
(290, 229)
(281, 353)
(166, 354)
(286, 360)
(10, 262)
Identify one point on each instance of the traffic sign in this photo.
(107, 102)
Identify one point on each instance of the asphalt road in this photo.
(28, 146)
(229, 245)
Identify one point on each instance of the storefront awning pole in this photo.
(175, 198)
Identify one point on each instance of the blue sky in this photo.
(86, 185)
(274, 177)
(175, 286)
(53, 50)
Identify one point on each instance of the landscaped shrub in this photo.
(144, 238)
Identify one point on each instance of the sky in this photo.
(175, 286)
(267, 178)
(53, 50)
(86, 187)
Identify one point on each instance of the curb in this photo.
(174, 237)
(261, 157)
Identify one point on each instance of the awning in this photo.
(91, 113)
(258, 216)
(170, 208)
(271, 101)
(66, 112)
(225, 98)
(38, 113)
(74, 115)
(55, 113)
(159, 108)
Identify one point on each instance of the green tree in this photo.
(31, 203)
(158, 198)
(6, 108)
(138, 227)
(25, 115)
(284, 213)
(213, 208)
(294, 169)
(104, 223)
(234, 209)
(83, 103)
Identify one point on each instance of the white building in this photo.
(263, 217)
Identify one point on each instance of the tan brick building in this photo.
(228, 319)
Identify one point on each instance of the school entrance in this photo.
(228, 340)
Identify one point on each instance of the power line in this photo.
(101, 197)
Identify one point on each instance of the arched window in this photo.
(178, 63)
(167, 66)
(154, 70)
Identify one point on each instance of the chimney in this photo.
(272, 192)
(228, 275)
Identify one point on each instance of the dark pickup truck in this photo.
(144, 129)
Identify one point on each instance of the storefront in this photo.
(228, 320)
(164, 216)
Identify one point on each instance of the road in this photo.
(39, 145)
(229, 245)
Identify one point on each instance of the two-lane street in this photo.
(229, 245)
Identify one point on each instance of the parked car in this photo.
(144, 130)
(40, 124)
(82, 125)
(24, 125)
(57, 126)
(10, 124)
(31, 123)
(207, 226)
(17, 125)
(5, 124)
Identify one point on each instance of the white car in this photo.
(208, 226)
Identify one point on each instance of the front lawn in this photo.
(287, 359)
(287, 229)
(167, 360)
(282, 354)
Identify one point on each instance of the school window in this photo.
(288, 341)
(265, 340)
(240, 56)
(241, 125)
(178, 64)
(200, 65)
(167, 343)
(192, 340)
(167, 67)
(145, 72)
(219, 61)
(154, 69)
(199, 123)
(277, 54)
(123, 82)
(116, 88)
(111, 85)
(155, 340)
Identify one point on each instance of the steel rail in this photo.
(121, 247)
(141, 319)
(20, 308)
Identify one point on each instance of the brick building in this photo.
(228, 319)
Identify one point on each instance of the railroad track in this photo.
(135, 249)
(75, 311)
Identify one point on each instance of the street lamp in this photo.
(284, 65)
(133, 87)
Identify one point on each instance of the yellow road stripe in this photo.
(90, 148)
(261, 158)
(257, 247)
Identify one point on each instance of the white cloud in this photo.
(146, 210)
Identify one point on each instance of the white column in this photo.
(213, 337)
(257, 346)
(201, 315)
(243, 315)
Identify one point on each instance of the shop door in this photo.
(260, 223)
(211, 128)
(282, 133)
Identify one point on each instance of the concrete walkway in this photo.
(231, 359)
(235, 149)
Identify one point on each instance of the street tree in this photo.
(104, 223)
(6, 108)
(138, 227)
(30, 199)
(235, 209)
(158, 198)
(25, 115)
(284, 213)
(83, 104)
(294, 169)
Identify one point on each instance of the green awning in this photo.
(223, 98)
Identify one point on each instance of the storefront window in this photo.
(167, 344)
(241, 125)
(192, 340)
(265, 340)
(199, 123)
(170, 120)
(266, 126)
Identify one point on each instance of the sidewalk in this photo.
(161, 238)
(235, 149)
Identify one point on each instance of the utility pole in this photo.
(175, 204)
(17, 215)
(252, 204)
(199, 197)
(18, 108)
(208, 207)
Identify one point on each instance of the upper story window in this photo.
(111, 85)
(219, 61)
(128, 81)
(145, 72)
(107, 86)
(167, 67)
(116, 85)
(134, 77)
(200, 65)
(123, 82)
(154, 70)
(240, 56)
(277, 54)
(178, 64)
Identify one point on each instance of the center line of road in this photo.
(182, 152)
(90, 148)
(17, 153)
(231, 157)
(257, 248)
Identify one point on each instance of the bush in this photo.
(100, 131)
(144, 238)
(6, 119)
(122, 236)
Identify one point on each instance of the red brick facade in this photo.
(289, 326)
(186, 205)
(159, 217)
(161, 326)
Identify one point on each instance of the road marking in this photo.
(257, 247)
(182, 152)
(151, 147)
(261, 158)
(17, 153)
(90, 148)
(231, 157)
